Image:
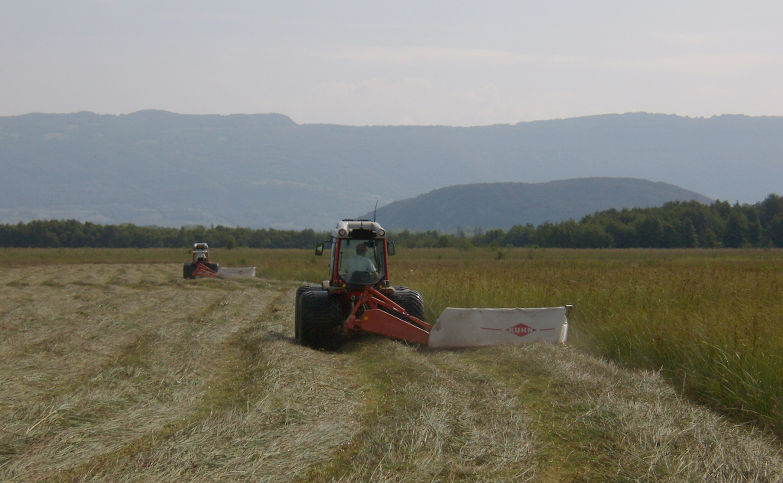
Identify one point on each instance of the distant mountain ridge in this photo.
(503, 205)
(264, 170)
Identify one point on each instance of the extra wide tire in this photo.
(187, 270)
(319, 320)
(298, 310)
(410, 300)
(304, 288)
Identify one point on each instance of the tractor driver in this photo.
(361, 263)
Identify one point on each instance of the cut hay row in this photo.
(127, 372)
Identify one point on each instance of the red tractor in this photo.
(200, 265)
(358, 297)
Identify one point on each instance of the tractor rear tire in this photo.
(187, 270)
(319, 320)
(410, 300)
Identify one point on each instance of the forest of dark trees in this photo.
(673, 225)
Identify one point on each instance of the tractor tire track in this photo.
(272, 409)
(427, 416)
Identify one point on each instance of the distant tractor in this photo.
(358, 297)
(200, 265)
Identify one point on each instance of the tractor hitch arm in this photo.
(375, 312)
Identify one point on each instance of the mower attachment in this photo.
(204, 270)
(381, 315)
(481, 327)
(202, 266)
(457, 328)
(236, 272)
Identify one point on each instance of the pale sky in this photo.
(420, 62)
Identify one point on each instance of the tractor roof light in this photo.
(359, 229)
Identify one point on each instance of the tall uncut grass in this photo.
(709, 321)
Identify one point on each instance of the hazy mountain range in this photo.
(155, 167)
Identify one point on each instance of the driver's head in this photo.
(361, 249)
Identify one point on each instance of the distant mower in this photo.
(202, 266)
(358, 297)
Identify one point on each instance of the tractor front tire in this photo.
(319, 320)
(298, 310)
(304, 288)
(187, 270)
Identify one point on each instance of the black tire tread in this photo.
(298, 310)
(187, 270)
(320, 320)
(410, 300)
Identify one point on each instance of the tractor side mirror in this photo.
(390, 247)
(319, 249)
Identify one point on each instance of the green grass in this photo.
(709, 320)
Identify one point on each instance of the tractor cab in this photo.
(358, 255)
(200, 252)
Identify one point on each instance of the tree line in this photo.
(74, 234)
(674, 225)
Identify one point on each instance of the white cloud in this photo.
(686, 38)
(419, 101)
(703, 64)
(417, 55)
(320, 62)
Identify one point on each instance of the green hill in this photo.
(503, 205)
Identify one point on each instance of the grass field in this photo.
(709, 321)
(113, 367)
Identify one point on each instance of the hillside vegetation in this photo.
(126, 371)
(673, 225)
(503, 205)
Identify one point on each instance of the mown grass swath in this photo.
(125, 371)
(709, 320)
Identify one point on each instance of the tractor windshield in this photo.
(362, 262)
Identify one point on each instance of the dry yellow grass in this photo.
(128, 372)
